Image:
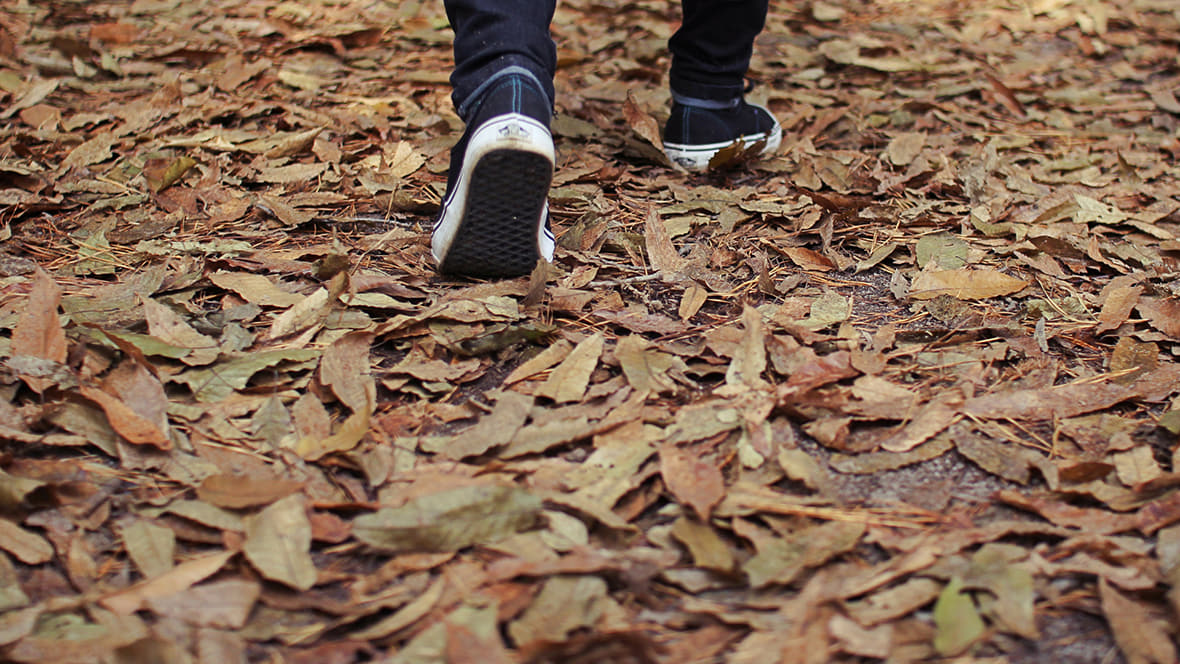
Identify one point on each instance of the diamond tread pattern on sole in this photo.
(497, 236)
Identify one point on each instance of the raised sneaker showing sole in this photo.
(495, 221)
(697, 157)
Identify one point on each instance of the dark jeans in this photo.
(710, 52)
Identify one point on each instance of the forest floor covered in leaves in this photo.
(908, 391)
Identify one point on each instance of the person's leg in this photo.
(493, 35)
(711, 50)
(710, 121)
(494, 218)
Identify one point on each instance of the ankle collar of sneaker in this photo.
(708, 104)
(475, 97)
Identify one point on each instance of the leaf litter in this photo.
(909, 390)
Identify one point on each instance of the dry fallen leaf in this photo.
(241, 491)
(450, 520)
(151, 547)
(565, 603)
(39, 332)
(220, 604)
(694, 480)
(660, 251)
(1164, 315)
(569, 380)
(178, 579)
(26, 546)
(1141, 636)
(278, 543)
(965, 284)
(129, 424)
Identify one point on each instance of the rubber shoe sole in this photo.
(495, 222)
(698, 157)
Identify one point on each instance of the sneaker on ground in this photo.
(698, 131)
(494, 220)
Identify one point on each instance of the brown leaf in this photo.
(354, 429)
(694, 481)
(1165, 99)
(568, 382)
(39, 332)
(163, 173)
(565, 603)
(1137, 466)
(895, 601)
(707, 548)
(28, 547)
(1163, 315)
(242, 491)
(278, 543)
(69, 638)
(140, 390)
(222, 604)
(876, 642)
(691, 302)
(128, 423)
(1002, 459)
(493, 430)
(115, 33)
(929, 421)
(307, 313)
(15, 625)
(450, 520)
(32, 93)
(93, 151)
(1131, 360)
(964, 284)
(642, 122)
(216, 646)
(164, 324)
(904, 147)
(1117, 307)
(1125, 576)
(660, 251)
(1057, 402)
(312, 420)
(290, 173)
(345, 368)
(1007, 97)
(406, 615)
(178, 579)
(1159, 513)
(642, 322)
(808, 259)
(646, 368)
(1141, 635)
(875, 462)
(150, 547)
(155, 649)
(782, 560)
(553, 354)
(809, 371)
(749, 358)
(1063, 514)
(256, 288)
(464, 646)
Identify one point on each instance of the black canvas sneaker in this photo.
(699, 131)
(494, 220)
